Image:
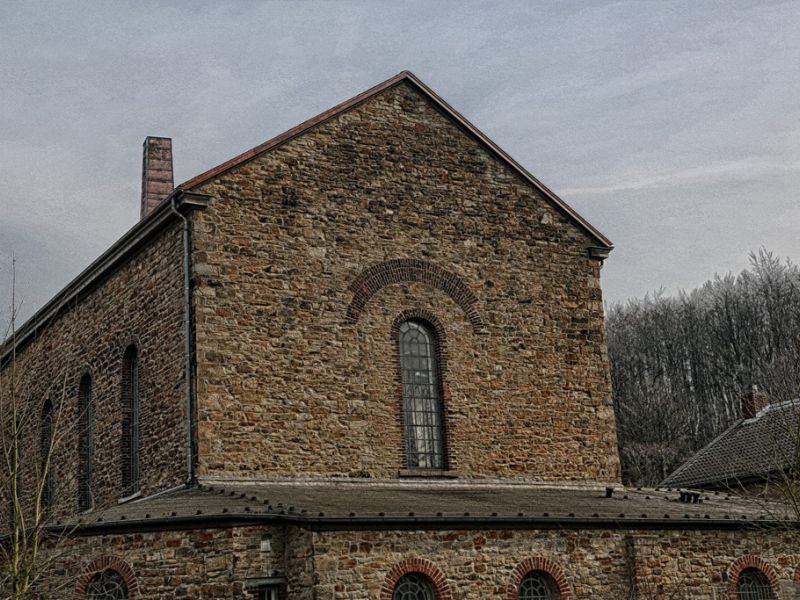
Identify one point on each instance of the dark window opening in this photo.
(538, 585)
(107, 585)
(414, 586)
(86, 443)
(130, 420)
(46, 458)
(753, 584)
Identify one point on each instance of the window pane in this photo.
(413, 586)
(107, 585)
(422, 408)
(754, 585)
(86, 450)
(537, 586)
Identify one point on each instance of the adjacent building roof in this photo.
(430, 505)
(750, 448)
(444, 107)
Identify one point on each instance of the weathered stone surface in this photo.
(291, 384)
(141, 303)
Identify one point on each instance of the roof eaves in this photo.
(605, 245)
(119, 252)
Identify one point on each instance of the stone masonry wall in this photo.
(475, 564)
(194, 563)
(297, 367)
(596, 564)
(141, 303)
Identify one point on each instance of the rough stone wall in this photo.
(195, 563)
(474, 564)
(479, 564)
(141, 303)
(290, 384)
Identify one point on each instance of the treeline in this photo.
(681, 364)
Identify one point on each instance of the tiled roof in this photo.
(749, 448)
(347, 505)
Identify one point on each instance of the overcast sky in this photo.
(674, 127)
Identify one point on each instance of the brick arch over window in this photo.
(416, 565)
(750, 561)
(102, 564)
(402, 270)
(538, 563)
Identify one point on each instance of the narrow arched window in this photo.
(85, 443)
(130, 420)
(46, 461)
(422, 405)
(414, 586)
(753, 584)
(538, 585)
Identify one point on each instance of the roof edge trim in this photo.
(466, 125)
(107, 263)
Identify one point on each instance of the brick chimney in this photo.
(753, 402)
(157, 180)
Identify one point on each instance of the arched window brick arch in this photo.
(750, 561)
(370, 281)
(538, 563)
(416, 565)
(46, 458)
(432, 323)
(102, 564)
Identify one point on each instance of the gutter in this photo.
(344, 523)
(104, 266)
(188, 341)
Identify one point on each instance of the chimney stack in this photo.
(753, 402)
(157, 182)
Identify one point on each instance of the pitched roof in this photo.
(749, 448)
(347, 505)
(410, 78)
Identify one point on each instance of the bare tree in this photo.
(679, 365)
(32, 435)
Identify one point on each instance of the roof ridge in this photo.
(700, 453)
(465, 124)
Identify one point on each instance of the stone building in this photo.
(756, 455)
(365, 359)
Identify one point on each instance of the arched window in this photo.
(414, 586)
(422, 405)
(107, 585)
(538, 585)
(753, 584)
(46, 455)
(86, 442)
(130, 420)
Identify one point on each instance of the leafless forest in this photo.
(680, 364)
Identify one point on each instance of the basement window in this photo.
(266, 588)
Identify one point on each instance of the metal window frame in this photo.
(432, 419)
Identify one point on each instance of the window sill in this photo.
(437, 473)
(133, 496)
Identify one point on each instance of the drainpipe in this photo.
(188, 350)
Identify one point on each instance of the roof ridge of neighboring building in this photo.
(701, 453)
(403, 76)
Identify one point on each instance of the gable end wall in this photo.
(289, 385)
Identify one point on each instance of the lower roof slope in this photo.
(349, 505)
(750, 448)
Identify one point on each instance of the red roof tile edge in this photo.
(436, 99)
